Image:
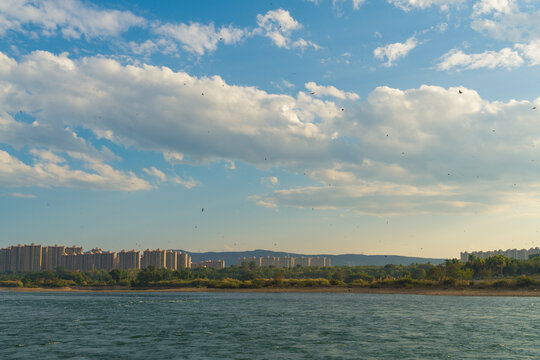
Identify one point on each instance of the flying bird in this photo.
(202, 210)
(534, 108)
(313, 93)
(461, 92)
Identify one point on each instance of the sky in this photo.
(404, 127)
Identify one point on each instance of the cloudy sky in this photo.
(324, 126)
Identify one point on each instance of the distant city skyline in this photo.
(319, 127)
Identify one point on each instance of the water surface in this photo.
(266, 326)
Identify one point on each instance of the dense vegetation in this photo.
(496, 271)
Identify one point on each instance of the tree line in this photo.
(498, 271)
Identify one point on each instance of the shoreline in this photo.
(342, 290)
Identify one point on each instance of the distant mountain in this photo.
(232, 257)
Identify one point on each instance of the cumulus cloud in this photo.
(270, 181)
(278, 25)
(504, 20)
(152, 171)
(320, 90)
(71, 18)
(395, 51)
(429, 149)
(457, 59)
(483, 7)
(426, 150)
(530, 51)
(188, 183)
(199, 38)
(14, 172)
(157, 109)
(408, 5)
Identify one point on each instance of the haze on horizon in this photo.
(352, 126)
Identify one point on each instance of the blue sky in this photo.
(402, 126)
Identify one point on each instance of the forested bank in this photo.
(495, 272)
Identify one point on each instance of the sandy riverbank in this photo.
(413, 291)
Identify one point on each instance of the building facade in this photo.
(522, 254)
(183, 260)
(156, 258)
(213, 264)
(287, 261)
(129, 259)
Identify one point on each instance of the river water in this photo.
(266, 326)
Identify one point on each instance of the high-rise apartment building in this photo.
(256, 260)
(183, 261)
(129, 259)
(4, 259)
(214, 264)
(74, 250)
(302, 261)
(320, 261)
(25, 258)
(156, 258)
(104, 260)
(51, 256)
(171, 260)
(287, 261)
(33, 257)
(522, 254)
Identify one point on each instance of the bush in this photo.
(524, 281)
(11, 283)
(503, 283)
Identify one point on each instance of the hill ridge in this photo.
(231, 257)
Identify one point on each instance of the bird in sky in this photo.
(461, 92)
(202, 210)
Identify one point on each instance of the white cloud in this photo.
(278, 26)
(229, 164)
(320, 90)
(482, 7)
(204, 118)
(427, 154)
(505, 58)
(415, 150)
(23, 196)
(187, 183)
(358, 3)
(174, 157)
(47, 156)
(304, 44)
(264, 203)
(152, 171)
(199, 38)
(71, 17)
(407, 5)
(504, 20)
(396, 51)
(530, 51)
(270, 181)
(16, 173)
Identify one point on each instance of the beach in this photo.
(410, 291)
